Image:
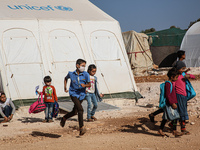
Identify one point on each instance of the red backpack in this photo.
(37, 106)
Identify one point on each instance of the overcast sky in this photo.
(139, 15)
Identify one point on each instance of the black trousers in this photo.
(77, 109)
(160, 110)
(174, 123)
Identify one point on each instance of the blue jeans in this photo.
(91, 99)
(48, 111)
(7, 111)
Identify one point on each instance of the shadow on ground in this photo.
(30, 120)
(49, 135)
(144, 126)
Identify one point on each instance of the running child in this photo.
(92, 94)
(80, 79)
(171, 100)
(50, 97)
(7, 108)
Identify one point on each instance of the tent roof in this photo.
(168, 37)
(194, 29)
(172, 31)
(80, 10)
(191, 46)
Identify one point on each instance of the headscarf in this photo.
(179, 64)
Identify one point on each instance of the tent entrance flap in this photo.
(111, 65)
(23, 62)
(65, 50)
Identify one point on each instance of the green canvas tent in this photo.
(165, 44)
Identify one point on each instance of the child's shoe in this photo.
(95, 119)
(185, 132)
(50, 120)
(177, 134)
(82, 131)
(90, 120)
(62, 122)
(45, 121)
(151, 117)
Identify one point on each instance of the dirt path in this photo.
(120, 133)
(128, 128)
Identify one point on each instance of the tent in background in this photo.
(139, 54)
(40, 38)
(165, 45)
(191, 46)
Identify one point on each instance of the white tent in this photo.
(191, 46)
(138, 50)
(46, 37)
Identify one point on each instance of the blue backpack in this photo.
(189, 89)
(162, 100)
(55, 110)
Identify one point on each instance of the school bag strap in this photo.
(183, 74)
(96, 92)
(171, 87)
(162, 99)
(41, 94)
(37, 106)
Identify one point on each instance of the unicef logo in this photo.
(63, 8)
(39, 8)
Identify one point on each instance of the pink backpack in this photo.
(37, 106)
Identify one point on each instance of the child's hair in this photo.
(2, 93)
(172, 73)
(47, 79)
(90, 67)
(80, 61)
(180, 53)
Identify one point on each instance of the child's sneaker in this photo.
(82, 131)
(50, 120)
(95, 119)
(45, 121)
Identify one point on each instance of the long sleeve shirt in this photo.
(50, 94)
(170, 95)
(181, 86)
(3, 105)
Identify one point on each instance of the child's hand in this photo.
(187, 76)
(65, 89)
(5, 119)
(192, 76)
(10, 117)
(188, 70)
(174, 106)
(83, 85)
(101, 95)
